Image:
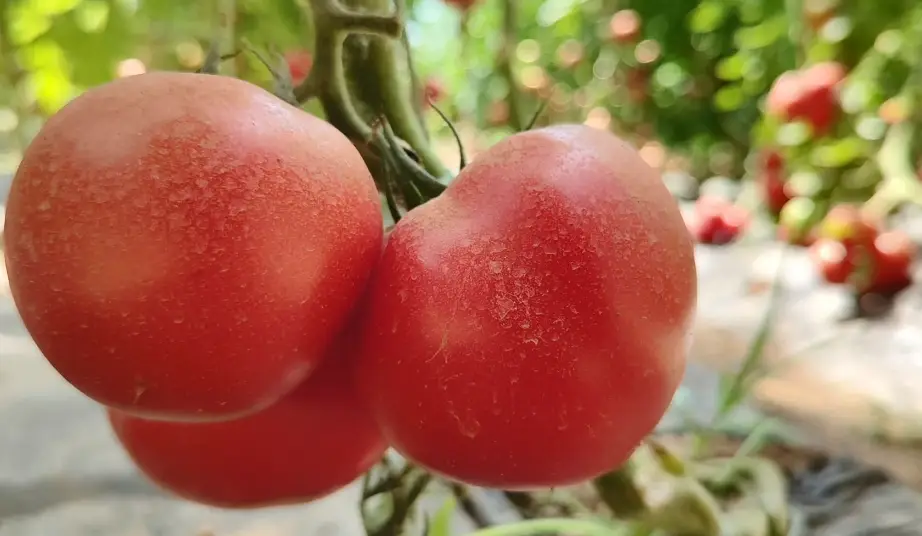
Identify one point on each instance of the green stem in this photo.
(546, 526)
(510, 40)
(618, 490)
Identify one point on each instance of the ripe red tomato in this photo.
(832, 260)
(309, 444)
(893, 255)
(528, 327)
(808, 95)
(300, 63)
(717, 221)
(186, 246)
(463, 5)
(624, 26)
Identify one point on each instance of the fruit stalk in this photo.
(360, 79)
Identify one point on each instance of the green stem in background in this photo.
(504, 66)
(572, 527)
(227, 24)
(619, 491)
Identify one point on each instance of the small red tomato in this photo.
(308, 445)
(300, 63)
(832, 259)
(624, 26)
(893, 255)
(809, 95)
(463, 5)
(528, 327)
(717, 221)
(185, 246)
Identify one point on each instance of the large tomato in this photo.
(308, 445)
(529, 327)
(185, 246)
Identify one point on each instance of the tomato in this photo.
(309, 444)
(809, 95)
(832, 260)
(625, 26)
(299, 63)
(893, 255)
(774, 188)
(528, 327)
(717, 221)
(185, 246)
(463, 5)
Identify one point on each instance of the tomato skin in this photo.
(463, 5)
(529, 327)
(893, 255)
(308, 445)
(186, 246)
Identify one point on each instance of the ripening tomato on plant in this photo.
(462, 5)
(299, 63)
(832, 260)
(528, 327)
(309, 444)
(809, 95)
(433, 90)
(893, 254)
(717, 221)
(186, 246)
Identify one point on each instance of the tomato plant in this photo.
(309, 444)
(508, 336)
(174, 260)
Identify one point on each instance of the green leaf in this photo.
(731, 69)
(26, 25)
(762, 35)
(707, 17)
(729, 98)
(441, 521)
(840, 153)
(53, 7)
(92, 15)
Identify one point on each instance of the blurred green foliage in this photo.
(693, 80)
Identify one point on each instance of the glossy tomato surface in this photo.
(529, 327)
(309, 444)
(186, 246)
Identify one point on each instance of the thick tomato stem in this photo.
(358, 91)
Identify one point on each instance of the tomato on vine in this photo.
(310, 444)
(528, 327)
(186, 246)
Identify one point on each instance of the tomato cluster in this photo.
(851, 249)
(206, 262)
